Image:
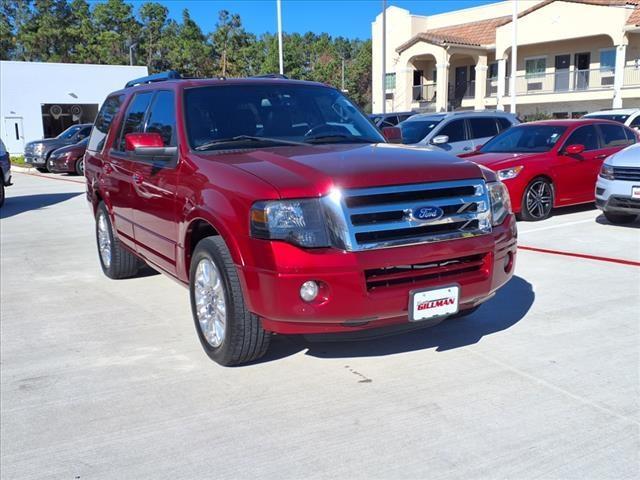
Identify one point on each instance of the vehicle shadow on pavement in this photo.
(16, 205)
(602, 220)
(508, 307)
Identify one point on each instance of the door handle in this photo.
(137, 179)
(108, 169)
(466, 149)
(601, 156)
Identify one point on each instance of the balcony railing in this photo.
(560, 81)
(631, 77)
(424, 93)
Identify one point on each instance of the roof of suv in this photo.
(614, 111)
(463, 114)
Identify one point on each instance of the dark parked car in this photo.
(69, 159)
(5, 171)
(37, 153)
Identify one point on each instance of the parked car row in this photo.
(63, 153)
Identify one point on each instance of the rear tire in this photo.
(116, 261)
(537, 200)
(228, 332)
(619, 218)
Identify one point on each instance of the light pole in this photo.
(280, 49)
(514, 55)
(384, 56)
(131, 47)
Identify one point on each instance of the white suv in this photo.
(618, 186)
(455, 132)
(627, 116)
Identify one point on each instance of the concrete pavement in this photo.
(106, 379)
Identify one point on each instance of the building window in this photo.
(390, 81)
(608, 60)
(493, 70)
(535, 67)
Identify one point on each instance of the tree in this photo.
(153, 17)
(116, 29)
(228, 41)
(188, 51)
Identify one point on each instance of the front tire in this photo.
(42, 169)
(619, 218)
(537, 200)
(49, 165)
(228, 332)
(80, 167)
(116, 261)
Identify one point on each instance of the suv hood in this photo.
(625, 158)
(314, 170)
(49, 142)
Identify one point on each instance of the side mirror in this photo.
(477, 148)
(147, 145)
(575, 149)
(440, 140)
(392, 134)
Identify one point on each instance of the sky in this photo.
(347, 18)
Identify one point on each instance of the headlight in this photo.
(39, 148)
(508, 173)
(500, 202)
(607, 172)
(300, 222)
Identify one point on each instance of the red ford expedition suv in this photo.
(284, 210)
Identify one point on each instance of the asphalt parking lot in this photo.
(106, 379)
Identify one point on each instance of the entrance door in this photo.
(460, 86)
(418, 75)
(582, 63)
(562, 73)
(13, 135)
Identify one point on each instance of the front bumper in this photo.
(35, 160)
(615, 196)
(351, 300)
(62, 165)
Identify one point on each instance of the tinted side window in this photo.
(83, 133)
(631, 136)
(134, 119)
(587, 136)
(635, 123)
(613, 136)
(483, 127)
(108, 112)
(162, 118)
(454, 130)
(503, 123)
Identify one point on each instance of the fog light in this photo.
(309, 291)
(508, 262)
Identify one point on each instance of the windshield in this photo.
(525, 139)
(267, 115)
(415, 130)
(616, 118)
(83, 142)
(69, 132)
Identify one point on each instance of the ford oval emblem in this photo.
(426, 214)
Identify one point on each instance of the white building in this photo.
(40, 100)
(573, 57)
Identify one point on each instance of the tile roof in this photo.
(483, 32)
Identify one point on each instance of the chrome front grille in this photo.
(382, 217)
(627, 173)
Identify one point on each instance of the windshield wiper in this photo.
(338, 137)
(244, 139)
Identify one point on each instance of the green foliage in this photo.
(74, 31)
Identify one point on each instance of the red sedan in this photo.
(552, 163)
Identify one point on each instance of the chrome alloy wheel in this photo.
(211, 308)
(539, 199)
(104, 240)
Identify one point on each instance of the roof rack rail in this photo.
(158, 77)
(271, 75)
